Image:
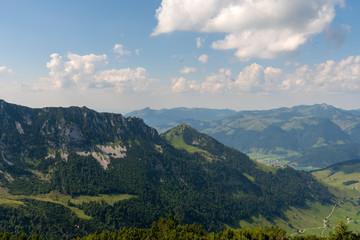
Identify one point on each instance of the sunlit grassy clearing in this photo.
(176, 139)
(55, 197)
(11, 203)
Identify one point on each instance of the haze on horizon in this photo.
(126, 55)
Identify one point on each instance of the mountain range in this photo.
(298, 136)
(67, 172)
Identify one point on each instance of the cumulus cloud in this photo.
(182, 85)
(256, 78)
(256, 29)
(253, 78)
(123, 79)
(77, 71)
(5, 70)
(219, 82)
(331, 76)
(203, 58)
(119, 49)
(188, 70)
(336, 77)
(82, 72)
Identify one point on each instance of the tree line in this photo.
(169, 229)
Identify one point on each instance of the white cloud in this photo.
(82, 72)
(188, 70)
(253, 78)
(300, 80)
(78, 71)
(203, 58)
(123, 79)
(338, 76)
(218, 82)
(257, 29)
(273, 79)
(119, 49)
(5, 70)
(256, 78)
(330, 77)
(182, 85)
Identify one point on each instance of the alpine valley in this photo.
(69, 172)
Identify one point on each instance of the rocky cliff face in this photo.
(28, 135)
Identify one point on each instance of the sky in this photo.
(124, 55)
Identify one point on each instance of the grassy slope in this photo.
(176, 139)
(58, 198)
(337, 175)
(311, 219)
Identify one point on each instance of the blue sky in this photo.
(124, 55)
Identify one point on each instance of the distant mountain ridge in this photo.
(165, 116)
(286, 132)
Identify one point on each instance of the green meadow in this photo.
(55, 197)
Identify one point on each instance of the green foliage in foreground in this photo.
(169, 228)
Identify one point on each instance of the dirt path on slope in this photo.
(325, 220)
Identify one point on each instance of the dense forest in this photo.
(187, 186)
(169, 229)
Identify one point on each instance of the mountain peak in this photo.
(189, 139)
(182, 127)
